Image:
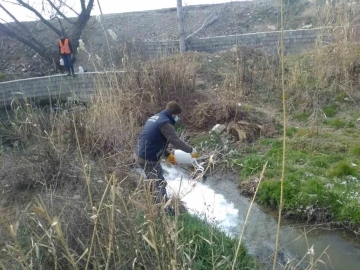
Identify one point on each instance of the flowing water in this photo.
(218, 200)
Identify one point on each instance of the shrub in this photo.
(330, 110)
(303, 116)
(337, 123)
(343, 169)
(356, 150)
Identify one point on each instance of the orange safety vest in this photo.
(64, 48)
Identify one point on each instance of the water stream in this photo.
(218, 200)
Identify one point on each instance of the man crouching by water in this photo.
(152, 144)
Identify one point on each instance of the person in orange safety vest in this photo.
(66, 53)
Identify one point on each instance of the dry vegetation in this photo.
(70, 200)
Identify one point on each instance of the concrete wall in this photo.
(295, 41)
(59, 86)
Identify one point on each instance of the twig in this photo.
(60, 13)
(37, 13)
(112, 222)
(62, 2)
(284, 134)
(95, 225)
(205, 24)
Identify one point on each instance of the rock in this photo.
(76, 197)
(272, 27)
(307, 26)
(218, 128)
(329, 186)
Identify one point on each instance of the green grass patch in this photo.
(291, 131)
(208, 246)
(330, 110)
(250, 165)
(339, 123)
(356, 150)
(343, 169)
(319, 172)
(341, 96)
(303, 116)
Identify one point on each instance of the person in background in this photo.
(152, 144)
(66, 53)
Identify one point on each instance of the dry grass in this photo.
(91, 214)
(84, 210)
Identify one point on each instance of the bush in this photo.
(343, 169)
(337, 123)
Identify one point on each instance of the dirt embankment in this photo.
(18, 61)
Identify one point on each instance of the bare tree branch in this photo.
(60, 23)
(98, 2)
(82, 4)
(60, 13)
(21, 25)
(205, 25)
(6, 30)
(66, 5)
(13, 17)
(209, 21)
(46, 22)
(90, 5)
(10, 2)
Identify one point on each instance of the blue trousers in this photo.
(155, 172)
(68, 63)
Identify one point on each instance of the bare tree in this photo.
(56, 9)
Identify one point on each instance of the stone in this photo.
(218, 128)
(329, 186)
(308, 26)
(76, 197)
(272, 27)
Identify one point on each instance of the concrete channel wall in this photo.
(295, 41)
(80, 87)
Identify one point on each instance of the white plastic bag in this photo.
(81, 69)
(61, 62)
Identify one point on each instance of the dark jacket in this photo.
(155, 136)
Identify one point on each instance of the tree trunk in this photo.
(181, 26)
(78, 28)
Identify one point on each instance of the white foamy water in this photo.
(201, 200)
